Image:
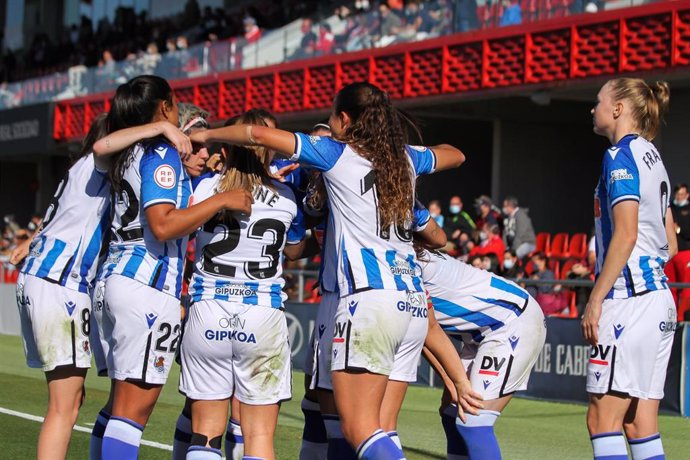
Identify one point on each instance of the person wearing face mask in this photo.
(511, 265)
(490, 242)
(518, 232)
(678, 268)
(458, 224)
(435, 212)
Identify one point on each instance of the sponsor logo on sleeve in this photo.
(620, 174)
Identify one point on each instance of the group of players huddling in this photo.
(104, 275)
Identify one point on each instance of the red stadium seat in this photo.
(567, 266)
(555, 267)
(529, 268)
(543, 243)
(578, 246)
(559, 246)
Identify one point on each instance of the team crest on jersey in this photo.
(165, 177)
(314, 139)
(620, 174)
(159, 364)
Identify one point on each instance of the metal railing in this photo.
(329, 36)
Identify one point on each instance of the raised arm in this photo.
(272, 138)
(447, 156)
(121, 139)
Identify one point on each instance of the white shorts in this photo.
(233, 348)
(501, 363)
(98, 343)
(410, 351)
(322, 346)
(370, 327)
(635, 341)
(142, 327)
(55, 323)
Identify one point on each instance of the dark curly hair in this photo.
(376, 132)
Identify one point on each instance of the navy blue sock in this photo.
(379, 446)
(455, 445)
(478, 434)
(338, 447)
(314, 436)
(97, 435)
(121, 439)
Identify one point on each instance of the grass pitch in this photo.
(527, 429)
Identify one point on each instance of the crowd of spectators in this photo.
(134, 44)
(503, 241)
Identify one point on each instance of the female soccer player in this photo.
(236, 341)
(194, 164)
(144, 268)
(60, 271)
(501, 330)
(369, 175)
(630, 317)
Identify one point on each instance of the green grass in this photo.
(527, 429)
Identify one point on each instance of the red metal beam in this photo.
(650, 37)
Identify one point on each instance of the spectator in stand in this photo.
(391, 25)
(490, 242)
(150, 60)
(252, 33)
(512, 14)
(518, 232)
(35, 222)
(678, 268)
(324, 45)
(465, 15)
(307, 48)
(435, 212)
(592, 251)
(580, 271)
(476, 262)
(511, 265)
(486, 212)
(459, 226)
(548, 295)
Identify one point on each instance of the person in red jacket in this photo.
(490, 242)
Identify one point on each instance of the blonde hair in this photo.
(649, 103)
(246, 167)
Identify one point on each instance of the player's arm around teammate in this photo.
(634, 239)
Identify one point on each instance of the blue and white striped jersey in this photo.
(154, 176)
(368, 257)
(239, 257)
(75, 228)
(633, 170)
(469, 300)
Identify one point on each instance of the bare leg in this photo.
(258, 427)
(358, 398)
(135, 400)
(65, 395)
(391, 405)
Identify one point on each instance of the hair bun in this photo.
(662, 94)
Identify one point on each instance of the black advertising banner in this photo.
(26, 130)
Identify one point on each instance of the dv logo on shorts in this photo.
(599, 354)
(70, 306)
(491, 365)
(339, 333)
